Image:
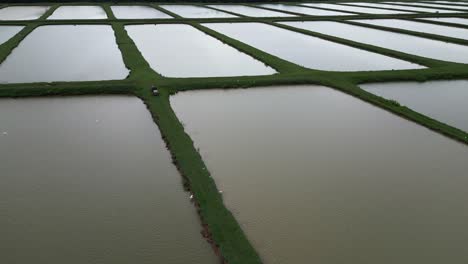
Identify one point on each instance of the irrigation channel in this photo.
(351, 144)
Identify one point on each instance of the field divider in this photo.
(428, 62)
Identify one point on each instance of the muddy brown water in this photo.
(89, 180)
(316, 176)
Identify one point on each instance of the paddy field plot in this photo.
(89, 180)
(22, 12)
(65, 53)
(357, 184)
(442, 100)
(401, 42)
(308, 51)
(183, 51)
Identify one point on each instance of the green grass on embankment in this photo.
(225, 231)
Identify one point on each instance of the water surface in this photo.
(401, 42)
(455, 20)
(409, 8)
(7, 32)
(190, 11)
(441, 6)
(65, 53)
(401, 5)
(251, 11)
(308, 51)
(453, 32)
(178, 50)
(359, 9)
(305, 10)
(445, 101)
(79, 12)
(137, 12)
(22, 12)
(89, 180)
(316, 176)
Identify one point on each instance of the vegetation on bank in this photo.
(225, 232)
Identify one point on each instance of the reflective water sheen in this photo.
(22, 12)
(442, 6)
(251, 11)
(358, 9)
(65, 53)
(405, 43)
(453, 32)
(189, 11)
(183, 51)
(409, 8)
(89, 180)
(308, 51)
(425, 9)
(455, 20)
(79, 12)
(445, 101)
(316, 176)
(137, 12)
(7, 32)
(305, 10)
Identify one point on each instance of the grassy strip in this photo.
(225, 232)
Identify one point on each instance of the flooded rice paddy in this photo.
(316, 176)
(305, 10)
(137, 12)
(183, 51)
(308, 51)
(453, 32)
(190, 11)
(424, 9)
(401, 42)
(22, 12)
(454, 20)
(358, 9)
(79, 12)
(251, 11)
(408, 8)
(7, 32)
(65, 53)
(441, 6)
(89, 180)
(445, 101)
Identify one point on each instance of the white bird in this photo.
(5, 133)
(191, 197)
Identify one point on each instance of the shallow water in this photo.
(453, 32)
(65, 53)
(89, 180)
(409, 8)
(137, 12)
(22, 12)
(251, 11)
(305, 10)
(442, 6)
(358, 9)
(79, 12)
(424, 9)
(401, 42)
(445, 101)
(455, 20)
(189, 11)
(7, 32)
(316, 176)
(178, 50)
(308, 51)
